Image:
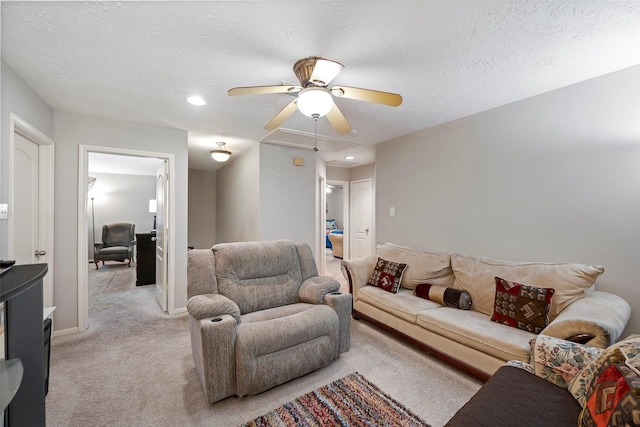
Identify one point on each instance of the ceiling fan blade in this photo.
(337, 120)
(367, 95)
(259, 90)
(282, 115)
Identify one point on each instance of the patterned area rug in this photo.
(350, 401)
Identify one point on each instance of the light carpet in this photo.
(352, 401)
(133, 367)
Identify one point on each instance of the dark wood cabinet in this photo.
(21, 292)
(145, 259)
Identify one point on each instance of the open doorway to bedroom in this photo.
(121, 191)
(337, 226)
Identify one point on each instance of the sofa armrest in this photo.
(314, 289)
(358, 272)
(559, 361)
(212, 305)
(600, 314)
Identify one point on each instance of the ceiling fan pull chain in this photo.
(315, 132)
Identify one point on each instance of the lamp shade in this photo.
(220, 154)
(153, 206)
(315, 101)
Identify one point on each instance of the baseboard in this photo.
(178, 311)
(62, 332)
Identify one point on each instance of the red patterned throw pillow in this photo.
(387, 275)
(522, 306)
(615, 397)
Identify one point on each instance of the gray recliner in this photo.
(118, 240)
(260, 316)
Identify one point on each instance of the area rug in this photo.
(349, 401)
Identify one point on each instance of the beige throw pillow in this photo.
(476, 275)
(422, 267)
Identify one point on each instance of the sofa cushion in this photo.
(444, 295)
(582, 386)
(522, 306)
(387, 275)
(476, 330)
(404, 304)
(476, 275)
(422, 267)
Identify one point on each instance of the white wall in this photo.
(72, 130)
(238, 198)
(288, 194)
(202, 208)
(120, 198)
(554, 178)
(19, 99)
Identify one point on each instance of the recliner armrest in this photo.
(314, 289)
(212, 305)
(600, 314)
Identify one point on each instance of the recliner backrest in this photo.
(118, 234)
(258, 275)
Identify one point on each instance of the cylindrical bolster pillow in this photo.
(443, 295)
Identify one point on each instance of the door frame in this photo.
(321, 259)
(83, 200)
(45, 197)
(346, 218)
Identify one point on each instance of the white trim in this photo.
(61, 332)
(83, 174)
(46, 150)
(179, 310)
(322, 225)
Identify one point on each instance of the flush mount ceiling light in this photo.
(196, 100)
(349, 157)
(315, 101)
(221, 154)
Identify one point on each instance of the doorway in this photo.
(337, 209)
(87, 224)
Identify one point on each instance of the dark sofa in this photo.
(514, 397)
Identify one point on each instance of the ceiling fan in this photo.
(313, 96)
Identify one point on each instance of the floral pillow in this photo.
(583, 385)
(559, 361)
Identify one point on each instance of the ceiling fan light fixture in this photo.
(221, 154)
(315, 101)
(325, 71)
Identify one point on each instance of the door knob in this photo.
(40, 253)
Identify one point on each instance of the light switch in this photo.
(392, 211)
(4, 209)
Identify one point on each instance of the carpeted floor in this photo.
(133, 366)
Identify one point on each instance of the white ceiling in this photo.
(138, 61)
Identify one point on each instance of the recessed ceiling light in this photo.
(196, 100)
(349, 157)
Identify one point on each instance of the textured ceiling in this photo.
(138, 61)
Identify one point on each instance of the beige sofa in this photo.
(469, 339)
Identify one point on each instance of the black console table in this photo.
(145, 259)
(21, 292)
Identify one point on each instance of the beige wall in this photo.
(72, 130)
(553, 178)
(238, 198)
(202, 208)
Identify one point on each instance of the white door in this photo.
(161, 235)
(26, 201)
(361, 218)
